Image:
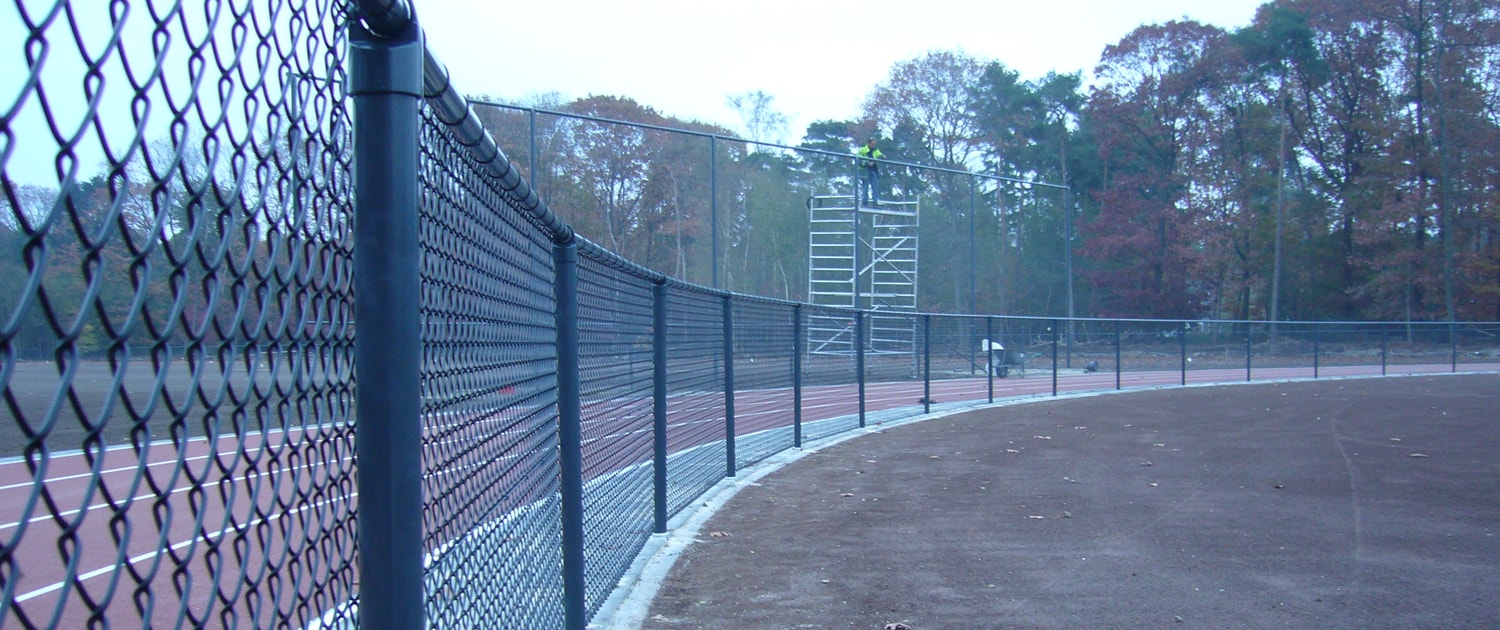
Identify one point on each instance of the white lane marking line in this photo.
(156, 552)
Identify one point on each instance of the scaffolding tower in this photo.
(862, 257)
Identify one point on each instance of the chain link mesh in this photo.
(956, 360)
(176, 309)
(489, 399)
(695, 394)
(763, 379)
(615, 339)
(830, 381)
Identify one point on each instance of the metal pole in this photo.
(570, 433)
(1315, 350)
(1453, 343)
(1182, 341)
(1382, 350)
(531, 131)
(797, 375)
(1054, 357)
(1118, 367)
(973, 308)
(729, 386)
(385, 82)
(926, 363)
(989, 355)
(659, 401)
(1247, 352)
(713, 203)
(859, 361)
(1068, 257)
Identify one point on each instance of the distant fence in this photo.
(309, 352)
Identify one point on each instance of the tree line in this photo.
(1335, 159)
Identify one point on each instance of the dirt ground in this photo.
(1354, 503)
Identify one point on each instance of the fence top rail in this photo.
(717, 136)
(597, 253)
(454, 111)
(1256, 322)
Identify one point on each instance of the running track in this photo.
(211, 506)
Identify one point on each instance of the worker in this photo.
(868, 155)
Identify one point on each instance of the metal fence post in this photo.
(1182, 342)
(659, 402)
(729, 385)
(1247, 352)
(1315, 350)
(385, 82)
(1118, 368)
(570, 433)
(1453, 344)
(989, 355)
(1054, 357)
(926, 363)
(531, 163)
(713, 204)
(1382, 350)
(797, 375)
(859, 361)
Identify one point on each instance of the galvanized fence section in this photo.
(764, 378)
(616, 378)
(697, 422)
(490, 463)
(203, 204)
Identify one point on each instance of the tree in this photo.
(763, 123)
(1150, 123)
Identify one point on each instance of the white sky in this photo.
(817, 58)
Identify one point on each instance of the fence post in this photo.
(531, 163)
(385, 82)
(713, 205)
(1382, 350)
(926, 363)
(1118, 368)
(1453, 344)
(1054, 357)
(797, 375)
(1315, 350)
(1247, 352)
(989, 355)
(659, 401)
(1182, 342)
(570, 433)
(729, 385)
(859, 361)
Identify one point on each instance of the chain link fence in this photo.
(175, 315)
(190, 202)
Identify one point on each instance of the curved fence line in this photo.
(309, 350)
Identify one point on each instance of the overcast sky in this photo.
(817, 58)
